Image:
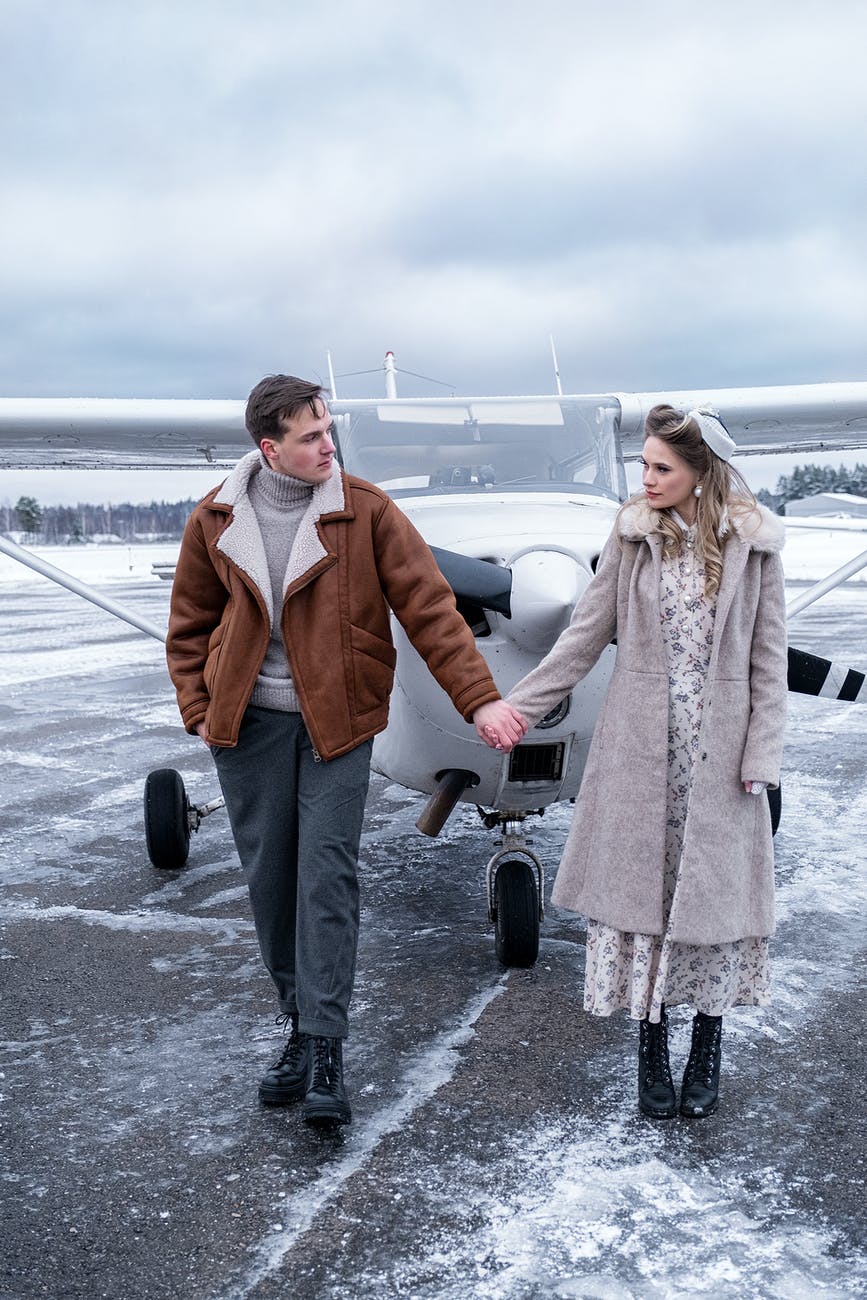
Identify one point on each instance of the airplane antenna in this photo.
(331, 384)
(556, 367)
(390, 375)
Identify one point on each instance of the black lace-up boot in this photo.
(286, 1079)
(655, 1085)
(325, 1102)
(700, 1093)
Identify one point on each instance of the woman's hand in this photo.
(755, 787)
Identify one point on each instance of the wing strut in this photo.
(822, 588)
(16, 552)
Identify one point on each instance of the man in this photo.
(280, 651)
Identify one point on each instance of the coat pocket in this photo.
(373, 661)
(213, 658)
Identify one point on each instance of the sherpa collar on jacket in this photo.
(759, 528)
(241, 541)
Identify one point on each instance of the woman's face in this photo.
(667, 479)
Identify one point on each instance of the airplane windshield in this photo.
(412, 447)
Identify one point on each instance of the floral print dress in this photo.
(639, 972)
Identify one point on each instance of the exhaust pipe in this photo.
(438, 808)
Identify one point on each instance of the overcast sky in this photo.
(196, 194)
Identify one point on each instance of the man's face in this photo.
(306, 450)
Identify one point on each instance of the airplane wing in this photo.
(158, 433)
(762, 421)
(119, 433)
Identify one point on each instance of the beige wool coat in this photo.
(612, 865)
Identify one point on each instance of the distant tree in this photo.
(29, 514)
(808, 480)
(854, 480)
(771, 500)
(67, 523)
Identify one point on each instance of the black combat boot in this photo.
(700, 1093)
(325, 1101)
(286, 1079)
(655, 1085)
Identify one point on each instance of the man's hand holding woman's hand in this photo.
(499, 725)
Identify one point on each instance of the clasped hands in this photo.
(499, 725)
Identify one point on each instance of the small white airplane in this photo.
(516, 496)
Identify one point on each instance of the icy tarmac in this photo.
(496, 1150)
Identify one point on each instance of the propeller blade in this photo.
(479, 581)
(812, 675)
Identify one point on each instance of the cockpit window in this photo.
(476, 446)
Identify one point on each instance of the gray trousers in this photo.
(296, 822)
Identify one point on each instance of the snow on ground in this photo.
(811, 554)
(93, 564)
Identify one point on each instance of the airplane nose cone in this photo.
(545, 586)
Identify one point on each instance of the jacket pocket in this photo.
(213, 658)
(373, 661)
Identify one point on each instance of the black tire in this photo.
(516, 906)
(167, 826)
(775, 802)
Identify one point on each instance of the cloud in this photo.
(197, 194)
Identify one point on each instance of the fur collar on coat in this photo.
(759, 527)
(242, 543)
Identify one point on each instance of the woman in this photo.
(670, 852)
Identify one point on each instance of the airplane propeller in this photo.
(812, 675)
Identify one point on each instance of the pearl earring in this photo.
(696, 491)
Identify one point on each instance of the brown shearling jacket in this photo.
(355, 556)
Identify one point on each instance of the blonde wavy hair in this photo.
(724, 493)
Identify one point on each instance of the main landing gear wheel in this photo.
(516, 913)
(166, 817)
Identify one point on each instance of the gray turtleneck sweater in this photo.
(279, 502)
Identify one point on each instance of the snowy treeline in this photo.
(807, 480)
(158, 521)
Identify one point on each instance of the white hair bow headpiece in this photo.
(713, 431)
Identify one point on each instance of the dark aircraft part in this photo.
(516, 913)
(476, 581)
(775, 800)
(436, 811)
(166, 817)
(811, 675)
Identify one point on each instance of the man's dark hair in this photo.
(277, 398)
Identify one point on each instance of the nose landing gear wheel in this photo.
(166, 818)
(516, 913)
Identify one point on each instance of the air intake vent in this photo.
(536, 763)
